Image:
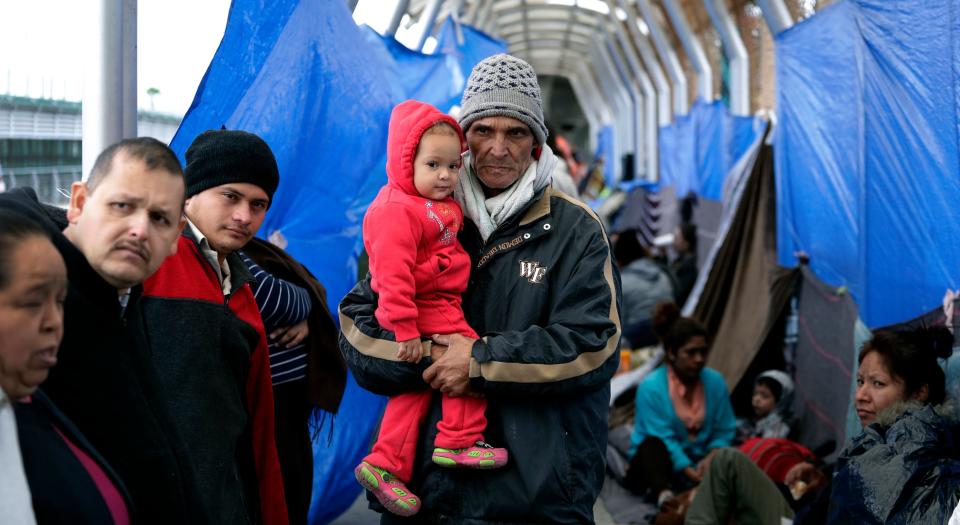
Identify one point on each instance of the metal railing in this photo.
(52, 183)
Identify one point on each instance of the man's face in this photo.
(501, 149)
(130, 223)
(228, 215)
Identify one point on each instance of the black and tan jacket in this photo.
(544, 295)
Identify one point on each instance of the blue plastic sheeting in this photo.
(605, 138)
(867, 151)
(699, 148)
(438, 78)
(301, 75)
(466, 47)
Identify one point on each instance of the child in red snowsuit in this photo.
(419, 270)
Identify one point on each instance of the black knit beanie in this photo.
(219, 157)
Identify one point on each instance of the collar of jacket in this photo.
(239, 274)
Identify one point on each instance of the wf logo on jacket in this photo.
(532, 271)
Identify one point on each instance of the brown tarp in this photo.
(746, 291)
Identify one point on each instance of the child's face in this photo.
(436, 168)
(763, 401)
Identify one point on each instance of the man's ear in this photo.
(176, 240)
(78, 199)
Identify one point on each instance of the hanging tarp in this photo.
(824, 363)
(868, 167)
(437, 78)
(699, 148)
(743, 292)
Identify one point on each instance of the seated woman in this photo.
(683, 411)
(900, 469)
(69, 482)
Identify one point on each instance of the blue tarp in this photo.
(438, 78)
(699, 148)
(319, 90)
(867, 154)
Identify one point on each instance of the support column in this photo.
(397, 17)
(428, 19)
(776, 14)
(693, 48)
(649, 57)
(681, 104)
(645, 161)
(736, 54)
(110, 87)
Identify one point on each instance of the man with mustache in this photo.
(543, 295)
(120, 226)
(206, 335)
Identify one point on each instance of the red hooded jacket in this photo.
(418, 267)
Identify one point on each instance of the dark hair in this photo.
(772, 385)
(627, 248)
(673, 329)
(14, 229)
(912, 356)
(152, 152)
(689, 232)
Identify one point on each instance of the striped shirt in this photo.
(281, 304)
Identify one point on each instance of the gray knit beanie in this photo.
(504, 86)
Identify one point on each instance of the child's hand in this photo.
(410, 350)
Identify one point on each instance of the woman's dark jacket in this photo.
(60, 486)
(902, 473)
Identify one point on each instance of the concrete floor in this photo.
(359, 514)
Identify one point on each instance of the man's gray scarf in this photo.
(488, 214)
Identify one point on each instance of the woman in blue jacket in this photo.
(683, 411)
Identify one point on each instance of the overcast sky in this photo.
(42, 46)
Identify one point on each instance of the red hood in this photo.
(408, 121)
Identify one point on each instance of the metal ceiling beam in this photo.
(650, 63)
(776, 14)
(397, 16)
(607, 72)
(455, 7)
(669, 58)
(646, 137)
(486, 11)
(694, 49)
(428, 18)
(539, 44)
(736, 54)
(473, 11)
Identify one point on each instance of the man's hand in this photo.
(410, 350)
(450, 371)
(806, 474)
(290, 335)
